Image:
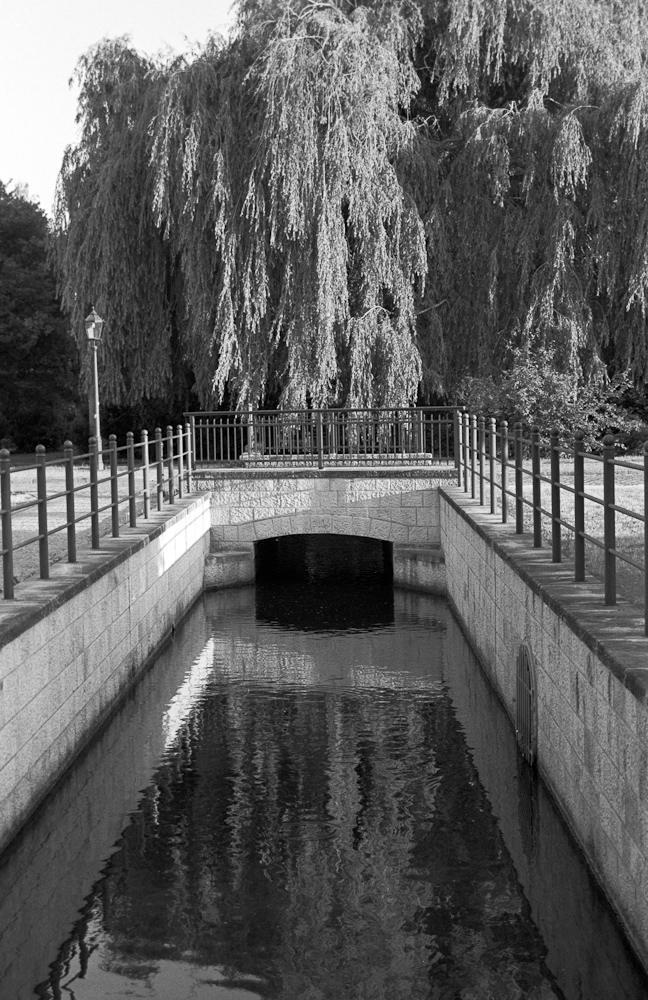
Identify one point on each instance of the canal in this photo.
(312, 794)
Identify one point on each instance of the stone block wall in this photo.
(70, 646)
(592, 679)
(399, 506)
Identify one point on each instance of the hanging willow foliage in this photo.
(353, 203)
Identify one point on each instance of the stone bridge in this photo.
(391, 504)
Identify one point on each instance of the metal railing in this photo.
(491, 460)
(400, 436)
(154, 471)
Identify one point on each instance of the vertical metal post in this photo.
(609, 519)
(41, 488)
(145, 475)
(482, 457)
(170, 466)
(114, 485)
(556, 554)
(188, 438)
(458, 444)
(504, 457)
(537, 498)
(473, 455)
(68, 454)
(519, 481)
(94, 492)
(132, 501)
(192, 443)
(160, 467)
(320, 442)
(180, 461)
(492, 444)
(645, 458)
(466, 445)
(579, 508)
(7, 537)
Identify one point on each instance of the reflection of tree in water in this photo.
(314, 845)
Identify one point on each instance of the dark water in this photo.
(307, 812)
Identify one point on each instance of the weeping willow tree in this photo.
(358, 203)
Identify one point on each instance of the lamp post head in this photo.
(93, 326)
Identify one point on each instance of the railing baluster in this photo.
(68, 457)
(482, 457)
(535, 469)
(466, 446)
(492, 442)
(579, 508)
(114, 485)
(504, 459)
(94, 492)
(132, 496)
(645, 458)
(145, 475)
(519, 483)
(160, 467)
(188, 454)
(609, 519)
(41, 492)
(556, 554)
(7, 535)
(180, 462)
(473, 455)
(170, 465)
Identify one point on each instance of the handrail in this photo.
(478, 457)
(336, 436)
(174, 467)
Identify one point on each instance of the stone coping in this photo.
(336, 472)
(35, 598)
(614, 633)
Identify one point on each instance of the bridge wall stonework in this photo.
(401, 506)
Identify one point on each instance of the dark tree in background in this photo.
(365, 203)
(39, 367)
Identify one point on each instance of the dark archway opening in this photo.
(324, 582)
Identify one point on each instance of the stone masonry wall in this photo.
(388, 504)
(592, 680)
(70, 646)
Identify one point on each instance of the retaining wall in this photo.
(71, 646)
(592, 679)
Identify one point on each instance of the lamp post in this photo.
(93, 327)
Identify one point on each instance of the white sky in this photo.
(40, 43)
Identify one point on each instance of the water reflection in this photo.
(332, 814)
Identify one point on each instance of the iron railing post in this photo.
(504, 456)
(160, 467)
(579, 508)
(114, 485)
(180, 461)
(132, 499)
(482, 457)
(170, 466)
(556, 554)
(458, 445)
(320, 441)
(7, 537)
(466, 419)
(609, 519)
(94, 492)
(68, 455)
(473, 455)
(145, 475)
(189, 456)
(519, 481)
(537, 500)
(492, 444)
(41, 493)
(645, 458)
